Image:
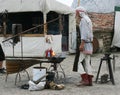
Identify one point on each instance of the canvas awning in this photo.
(34, 5)
(116, 37)
(44, 6)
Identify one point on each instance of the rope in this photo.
(31, 29)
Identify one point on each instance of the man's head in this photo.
(81, 11)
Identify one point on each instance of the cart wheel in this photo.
(95, 45)
(59, 77)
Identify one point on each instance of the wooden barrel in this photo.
(95, 45)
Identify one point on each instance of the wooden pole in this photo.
(45, 24)
(60, 24)
(78, 41)
(78, 3)
(4, 27)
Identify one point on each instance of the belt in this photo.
(88, 42)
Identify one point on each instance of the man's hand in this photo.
(82, 46)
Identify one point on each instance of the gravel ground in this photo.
(9, 88)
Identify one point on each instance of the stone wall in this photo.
(103, 24)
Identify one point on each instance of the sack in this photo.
(38, 73)
(54, 86)
(36, 87)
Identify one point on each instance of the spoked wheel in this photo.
(59, 77)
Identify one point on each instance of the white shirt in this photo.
(86, 34)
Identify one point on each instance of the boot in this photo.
(90, 79)
(84, 81)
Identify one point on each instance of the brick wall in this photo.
(103, 24)
(102, 21)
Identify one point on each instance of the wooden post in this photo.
(78, 3)
(60, 24)
(78, 41)
(45, 24)
(4, 28)
(4, 17)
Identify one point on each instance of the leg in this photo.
(80, 66)
(88, 68)
(2, 70)
(1, 64)
(81, 70)
(2, 58)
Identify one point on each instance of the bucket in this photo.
(50, 76)
(39, 72)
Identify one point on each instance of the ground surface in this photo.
(8, 88)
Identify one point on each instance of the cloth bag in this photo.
(39, 72)
(36, 87)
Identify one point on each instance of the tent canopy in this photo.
(98, 6)
(116, 36)
(34, 5)
(44, 6)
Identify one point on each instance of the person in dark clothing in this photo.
(2, 56)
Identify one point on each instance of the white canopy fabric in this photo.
(34, 5)
(32, 46)
(98, 6)
(45, 6)
(116, 37)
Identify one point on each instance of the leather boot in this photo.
(84, 81)
(90, 80)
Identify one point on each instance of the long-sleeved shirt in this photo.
(86, 34)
